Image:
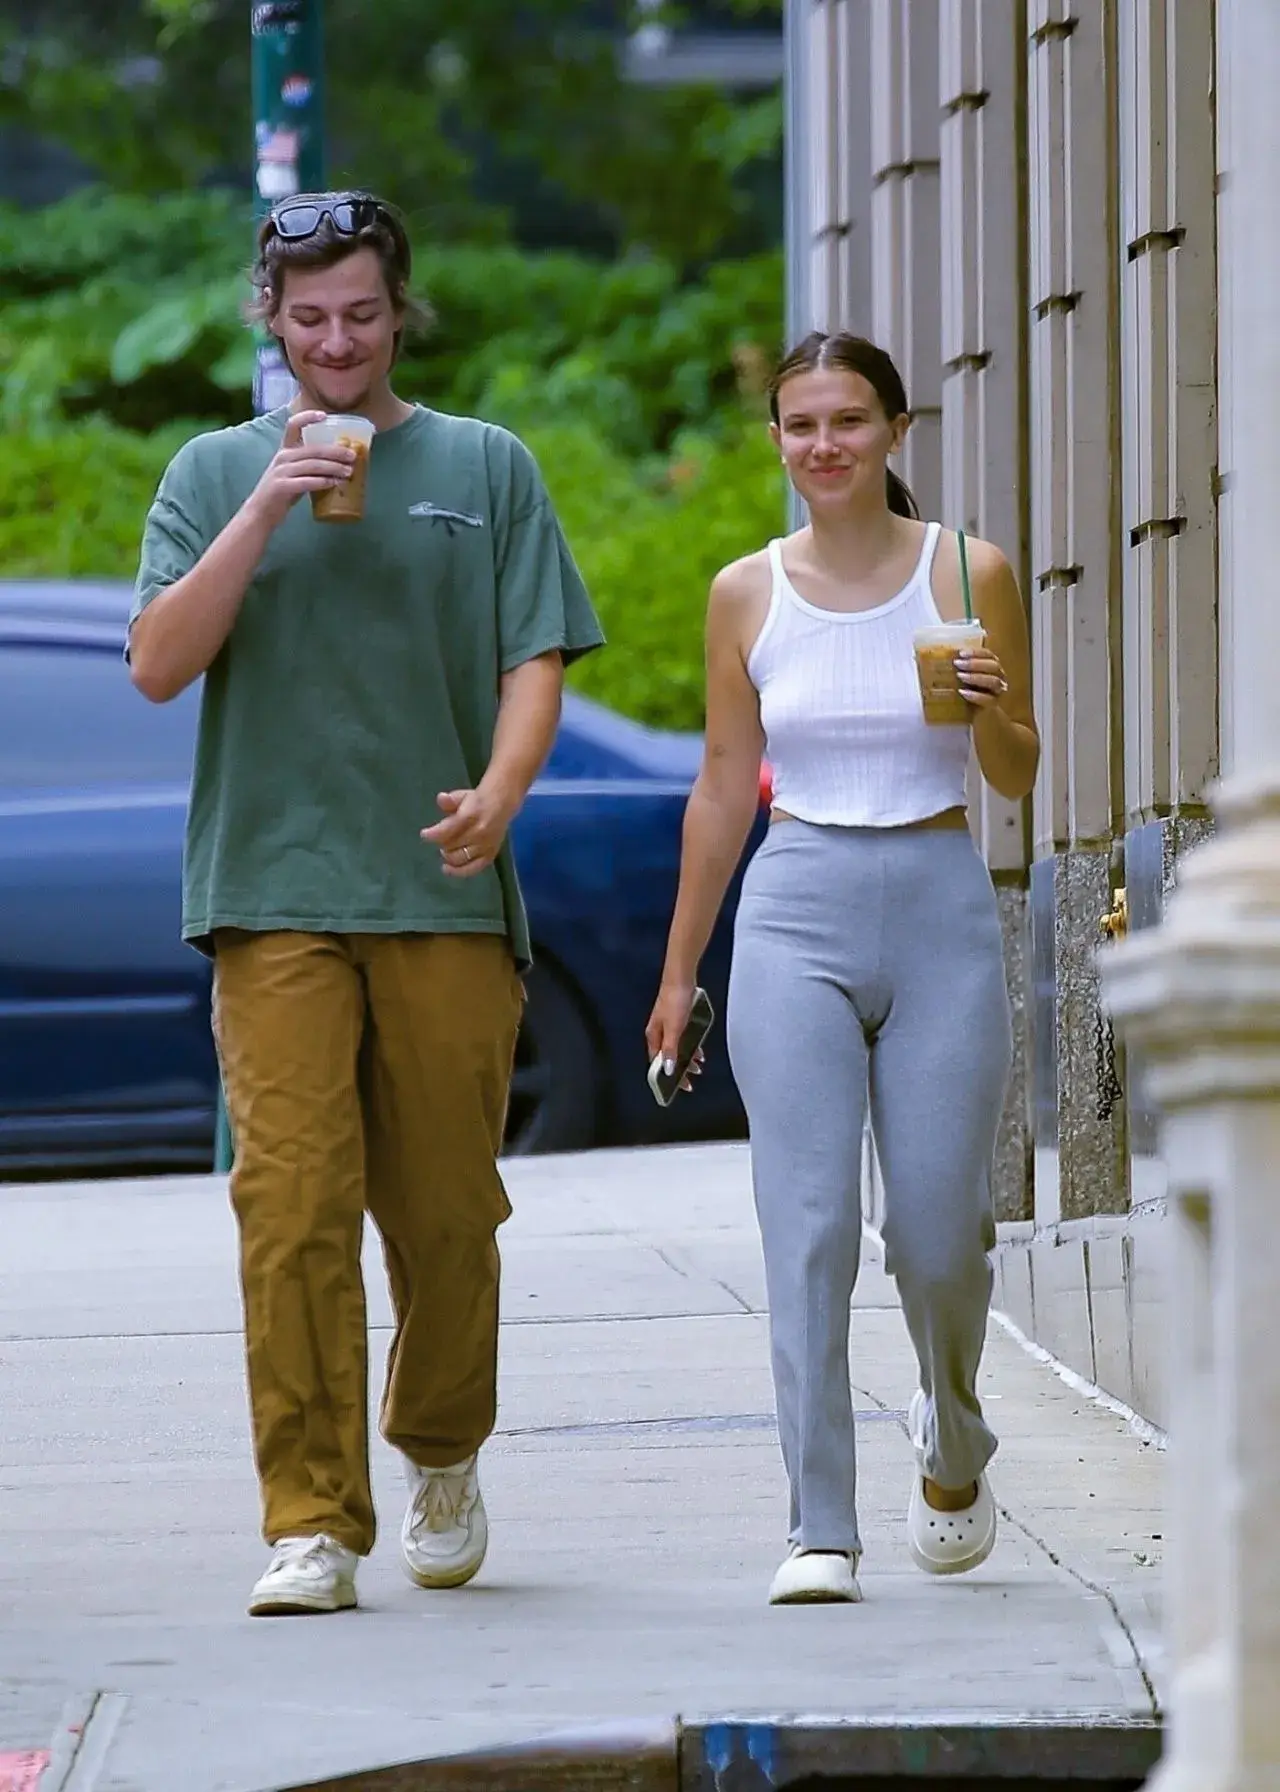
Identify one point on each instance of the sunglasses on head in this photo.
(296, 219)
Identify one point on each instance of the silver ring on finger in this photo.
(466, 853)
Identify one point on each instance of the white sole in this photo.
(303, 1605)
(815, 1598)
(440, 1582)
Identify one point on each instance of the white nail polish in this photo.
(669, 1066)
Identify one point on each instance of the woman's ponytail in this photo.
(901, 499)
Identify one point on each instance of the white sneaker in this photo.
(945, 1542)
(307, 1574)
(446, 1531)
(812, 1577)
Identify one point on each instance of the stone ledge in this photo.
(1090, 1292)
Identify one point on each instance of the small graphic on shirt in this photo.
(452, 519)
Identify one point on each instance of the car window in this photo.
(70, 720)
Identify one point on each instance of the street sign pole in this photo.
(287, 48)
(287, 64)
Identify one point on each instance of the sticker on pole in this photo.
(296, 90)
(278, 15)
(277, 173)
(273, 387)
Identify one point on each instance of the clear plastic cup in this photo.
(936, 648)
(342, 503)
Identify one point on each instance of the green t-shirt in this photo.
(361, 677)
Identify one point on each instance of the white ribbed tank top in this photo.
(840, 704)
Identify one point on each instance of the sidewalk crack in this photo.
(686, 1274)
(1102, 1592)
(1065, 1567)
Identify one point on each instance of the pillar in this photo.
(1198, 998)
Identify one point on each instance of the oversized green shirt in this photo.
(361, 677)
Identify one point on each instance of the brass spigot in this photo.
(1115, 925)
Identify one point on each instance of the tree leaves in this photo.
(482, 120)
(132, 308)
(168, 330)
(649, 538)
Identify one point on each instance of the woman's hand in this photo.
(981, 677)
(996, 677)
(666, 1025)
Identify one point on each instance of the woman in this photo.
(867, 958)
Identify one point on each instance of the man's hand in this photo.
(296, 469)
(476, 821)
(471, 835)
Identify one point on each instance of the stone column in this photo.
(828, 172)
(828, 166)
(1074, 589)
(1199, 999)
(1169, 533)
(905, 168)
(982, 77)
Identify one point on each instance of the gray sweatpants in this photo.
(868, 962)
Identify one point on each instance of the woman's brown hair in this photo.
(853, 354)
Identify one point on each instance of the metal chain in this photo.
(1105, 1072)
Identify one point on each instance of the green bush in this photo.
(649, 547)
(639, 390)
(129, 309)
(72, 501)
(649, 536)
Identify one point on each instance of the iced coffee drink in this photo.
(343, 503)
(936, 650)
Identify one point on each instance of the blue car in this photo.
(106, 1056)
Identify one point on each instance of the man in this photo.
(379, 695)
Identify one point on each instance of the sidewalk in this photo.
(634, 1488)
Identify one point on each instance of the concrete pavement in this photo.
(634, 1486)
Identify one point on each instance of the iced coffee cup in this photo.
(343, 503)
(936, 650)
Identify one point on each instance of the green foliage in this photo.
(426, 99)
(636, 380)
(130, 309)
(72, 503)
(648, 539)
(100, 290)
(649, 547)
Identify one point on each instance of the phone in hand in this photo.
(666, 1087)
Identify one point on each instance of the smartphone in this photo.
(665, 1088)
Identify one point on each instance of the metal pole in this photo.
(287, 71)
(288, 134)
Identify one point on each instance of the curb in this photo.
(765, 1755)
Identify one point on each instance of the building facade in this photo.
(1018, 198)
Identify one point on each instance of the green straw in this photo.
(964, 577)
